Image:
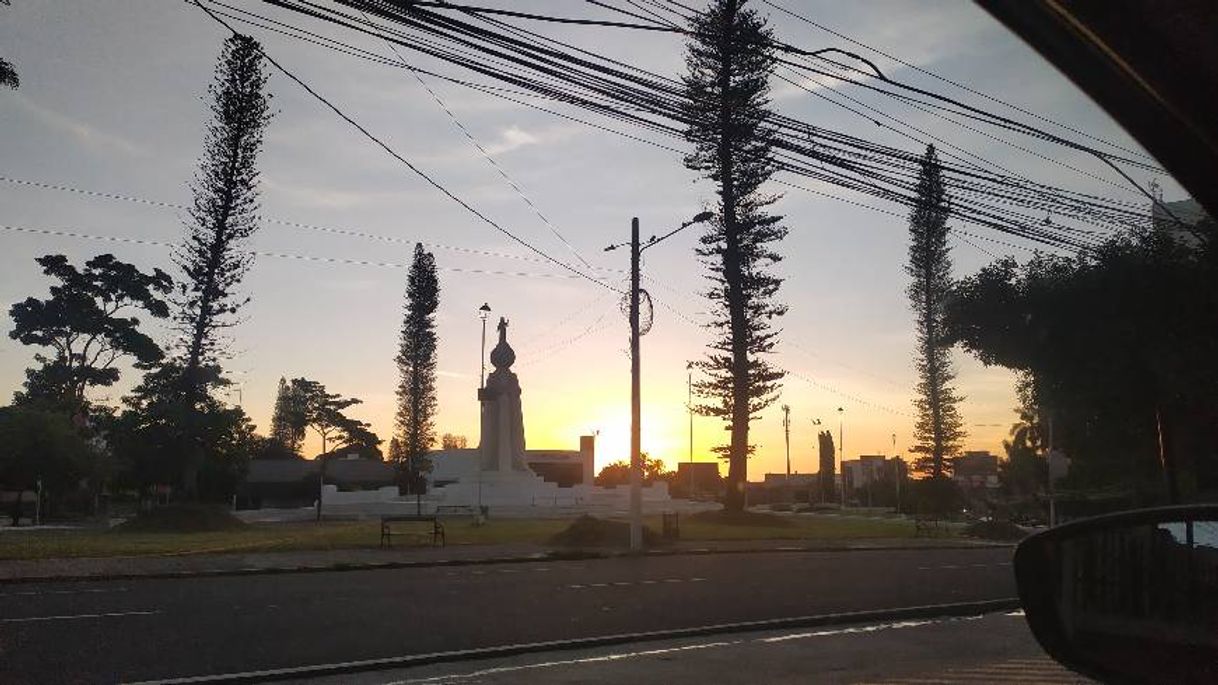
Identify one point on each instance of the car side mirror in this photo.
(1127, 598)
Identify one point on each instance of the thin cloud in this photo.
(86, 135)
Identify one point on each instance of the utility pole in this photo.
(689, 386)
(636, 476)
(896, 470)
(841, 446)
(636, 460)
(786, 432)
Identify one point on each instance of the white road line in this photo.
(36, 593)
(452, 678)
(73, 617)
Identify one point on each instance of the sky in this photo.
(113, 102)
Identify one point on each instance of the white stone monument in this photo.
(503, 477)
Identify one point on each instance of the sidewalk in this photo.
(199, 565)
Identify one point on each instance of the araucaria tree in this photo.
(287, 420)
(938, 428)
(223, 216)
(729, 60)
(415, 419)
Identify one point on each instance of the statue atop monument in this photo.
(502, 440)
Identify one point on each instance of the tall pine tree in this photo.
(223, 216)
(415, 419)
(729, 60)
(938, 428)
(287, 421)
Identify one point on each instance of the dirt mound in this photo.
(742, 518)
(589, 531)
(183, 518)
(995, 530)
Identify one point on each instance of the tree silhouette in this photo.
(729, 60)
(223, 216)
(416, 360)
(450, 441)
(90, 323)
(287, 420)
(938, 428)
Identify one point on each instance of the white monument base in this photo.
(497, 488)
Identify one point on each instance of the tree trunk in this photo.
(16, 513)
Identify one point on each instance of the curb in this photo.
(414, 660)
(561, 555)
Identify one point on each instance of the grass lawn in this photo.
(365, 534)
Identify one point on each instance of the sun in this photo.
(613, 440)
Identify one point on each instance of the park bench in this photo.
(434, 530)
(928, 525)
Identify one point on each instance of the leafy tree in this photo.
(223, 216)
(396, 453)
(729, 60)
(39, 445)
(938, 428)
(268, 448)
(1121, 349)
(147, 436)
(287, 420)
(323, 412)
(618, 472)
(415, 419)
(90, 323)
(8, 75)
(828, 465)
(450, 441)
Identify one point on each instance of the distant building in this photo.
(976, 469)
(699, 479)
(564, 468)
(293, 482)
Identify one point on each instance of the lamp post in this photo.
(689, 386)
(786, 434)
(820, 473)
(483, 312)
(636, 476)
(841, 446)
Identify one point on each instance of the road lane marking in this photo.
(628, 583)
(409, 661)
(999, 564)
(455, 677)
(35, 593)
(73, 617)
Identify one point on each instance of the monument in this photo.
(497, 474)
(501, 444)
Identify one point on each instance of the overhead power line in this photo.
(270, 253)
(61, 187)
(629, 94)
(417, 171)
(486, 155)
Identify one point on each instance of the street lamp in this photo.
(689, 370)
(841, 446)
(483, 312)
(636, 476)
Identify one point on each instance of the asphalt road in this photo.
(992, 649)
(152, 629)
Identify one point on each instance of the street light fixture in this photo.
(841, 446)
(636, 476)
(483, 312)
